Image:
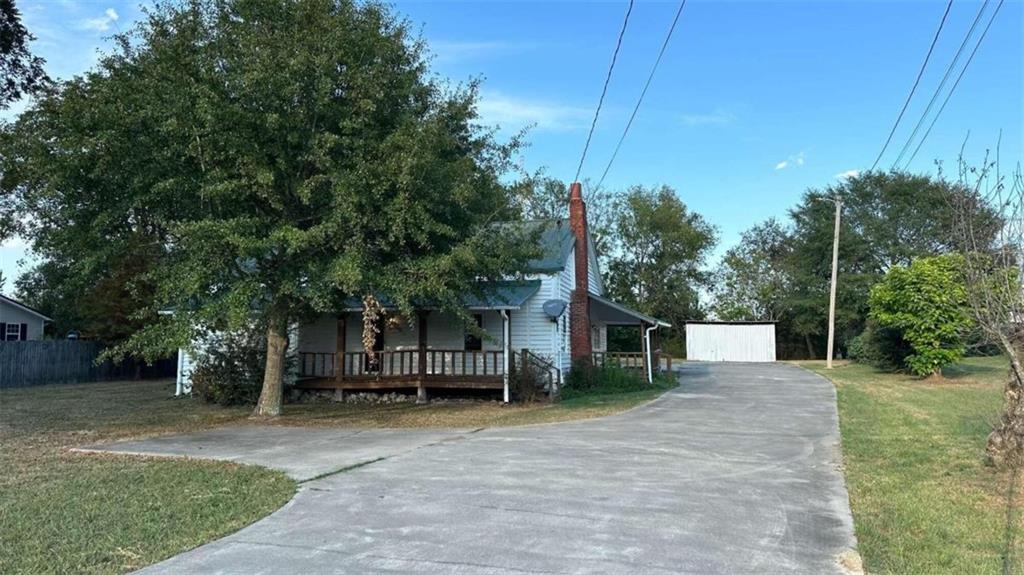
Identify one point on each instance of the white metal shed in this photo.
(730, 341)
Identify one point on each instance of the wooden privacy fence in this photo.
(27, 363)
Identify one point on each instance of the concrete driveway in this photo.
(736, 471)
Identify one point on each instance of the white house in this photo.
(555, 315)
(18, 322)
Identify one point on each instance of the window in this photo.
(13, 332)
(473, 342)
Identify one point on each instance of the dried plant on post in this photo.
(992, 274)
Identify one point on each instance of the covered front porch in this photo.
(427, 349)
(410, 354)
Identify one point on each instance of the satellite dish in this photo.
(554, 308)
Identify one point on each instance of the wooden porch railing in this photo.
(405, 363)
(632, 359)
(467, 363)
(623, 359)
(316, 364)
(549, 377)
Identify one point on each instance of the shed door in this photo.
(730, 342)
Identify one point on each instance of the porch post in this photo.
(507, 355)
(339, 350)
(421, 389)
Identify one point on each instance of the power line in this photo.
(643, 93)
(604, 90)
(955, 84)
(942, 84)
(914, 87)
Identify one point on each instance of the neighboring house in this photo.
(18, 322)
(553, 317)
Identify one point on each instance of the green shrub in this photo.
(588, 379)
(881, 347)
(927, 302)
(230, 370)
(528, 384)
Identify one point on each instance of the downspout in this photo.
(650, 353)
(508, 350)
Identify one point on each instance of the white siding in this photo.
(531, 329)
(730, 342)
(566, 283)
(403, 335)
(319, 335)
(445, 331)
(10, 313)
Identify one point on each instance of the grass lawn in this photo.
(923, 499)
(66, 512)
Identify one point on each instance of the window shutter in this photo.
(3, 331)
(24, 332)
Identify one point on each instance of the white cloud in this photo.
(847, 174)
(718, 117)
(511, 112)
(796, 160)
(102, 23)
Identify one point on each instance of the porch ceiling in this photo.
(606, 311)
(491, 295)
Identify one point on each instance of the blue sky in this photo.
(754, 102)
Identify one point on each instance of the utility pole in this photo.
(832, 292)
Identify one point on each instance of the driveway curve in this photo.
(735, 471)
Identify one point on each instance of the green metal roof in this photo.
(615, 313)
(503, 295)
(556, 241)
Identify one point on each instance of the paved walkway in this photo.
(736, 471)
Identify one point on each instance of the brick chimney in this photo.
(579, 306)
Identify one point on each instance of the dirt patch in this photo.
(851, 562)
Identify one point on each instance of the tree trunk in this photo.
(269, 404)
(1006, 442)
(810, 347)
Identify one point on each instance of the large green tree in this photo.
(752, 281)
(280, 157)
(21, 72)
(658, 256)
(927, 303)
(889, 219)
(546, 198)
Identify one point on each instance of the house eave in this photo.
(24, 307)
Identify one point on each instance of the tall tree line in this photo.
(781, 271)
